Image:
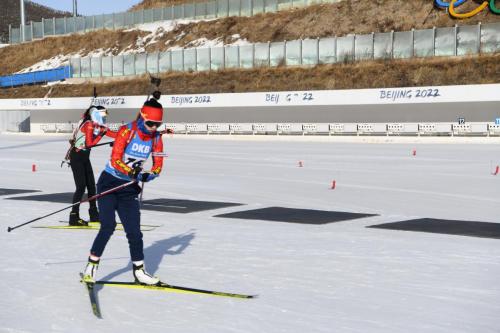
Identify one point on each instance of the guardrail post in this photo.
(209, 59)
(392, 44)
(32, 30)
(253, 55)
(43, 28)
(300, 51)
(317, 50)
(135, 72)
(223, 57)
(10, 34)
(335, 43)
(65, 26)
(479, 37)
(268, 54)
(455, 33)
(93, 22)
(196, 59)
(373, 45)
(413, 42)
(54, 26)
(353, 48)
(100, 66)
(284, 53)
(238, 57)
(434, 41)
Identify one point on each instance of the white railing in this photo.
(373, 129)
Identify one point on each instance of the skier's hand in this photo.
(102, 130)
(111, 143)
(135, 173)
(147, 176)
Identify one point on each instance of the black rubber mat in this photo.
(293, 215)
(11, 191)
(183, 206)
(161, 205)
(65, 197)
(449, 227)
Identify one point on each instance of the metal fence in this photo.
(202, 10)
(452, 41)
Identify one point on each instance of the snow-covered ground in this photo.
(337, 277)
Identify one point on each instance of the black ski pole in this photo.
(140, 197)
(102, 144)
(9, 229)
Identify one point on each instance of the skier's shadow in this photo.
(154, 253)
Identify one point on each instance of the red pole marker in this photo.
(301, 164)
(414, 152)
(33, 167)
(497, 170)
(334, 183)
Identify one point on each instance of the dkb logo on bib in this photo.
(141, 148)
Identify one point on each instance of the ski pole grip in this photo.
(9, 229)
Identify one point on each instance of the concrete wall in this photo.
(14, 121)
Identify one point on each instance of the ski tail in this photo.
(92, 296)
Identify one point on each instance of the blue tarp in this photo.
(50, 75)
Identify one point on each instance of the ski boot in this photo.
(141, 276)
(90, 271)
(76, 221)
(94, 216)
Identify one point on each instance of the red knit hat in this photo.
(152, 110)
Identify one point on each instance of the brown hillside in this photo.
(148, 4)
(349, 16)
(368, 74)
(10, 14)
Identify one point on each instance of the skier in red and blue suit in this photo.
(90, 130)
(134, 143)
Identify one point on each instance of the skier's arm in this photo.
(119, 149)
(111, 134)
(157, 158)
(90, 140)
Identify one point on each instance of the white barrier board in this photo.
(413, 95)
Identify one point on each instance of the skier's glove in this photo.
(141, 176)
(103, 130)
(147, 176)
(135, 173)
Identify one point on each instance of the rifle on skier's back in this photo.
(72, 141)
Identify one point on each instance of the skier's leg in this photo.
(107, 207)
(91, 191)
(130, 215)
(78, 169)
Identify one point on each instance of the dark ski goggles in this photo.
(151, 123)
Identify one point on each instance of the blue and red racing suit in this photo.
(132, 147)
